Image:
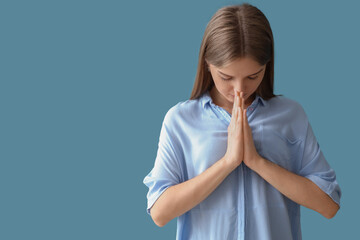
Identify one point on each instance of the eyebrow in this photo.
(248, 76)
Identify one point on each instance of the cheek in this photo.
(256, 84)
(225, 88)
(221, 85)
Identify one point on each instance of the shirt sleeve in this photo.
(315, 167)
(166, 171)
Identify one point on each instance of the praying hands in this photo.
(241, 146)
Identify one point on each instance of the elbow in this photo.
(332, 213)
(158, 220)
(159, 223)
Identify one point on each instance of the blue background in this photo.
(85, 85)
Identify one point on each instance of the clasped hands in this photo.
(241, 146)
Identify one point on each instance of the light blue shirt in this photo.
(193, 137)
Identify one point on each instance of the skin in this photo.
(180, 198)
(240, 70)
(235, 86)
(241, 146)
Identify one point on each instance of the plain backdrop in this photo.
(85, 85)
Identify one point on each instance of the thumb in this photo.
(247, 129)
(245, 124)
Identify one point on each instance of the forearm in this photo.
(297, 188)
(180, 198)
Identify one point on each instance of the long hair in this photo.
(234, 32)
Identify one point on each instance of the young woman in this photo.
(236, 161)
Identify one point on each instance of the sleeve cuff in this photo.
(330, 188)
(153, 199)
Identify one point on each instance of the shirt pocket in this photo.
(280, 150)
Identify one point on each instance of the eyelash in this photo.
(228, 79)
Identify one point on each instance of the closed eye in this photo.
(228, 79)
(225, 79)
(252, 78)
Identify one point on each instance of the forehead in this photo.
(241, 67)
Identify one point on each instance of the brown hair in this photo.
(233, 32)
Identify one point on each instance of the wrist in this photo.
(257, 164)
(228, 164)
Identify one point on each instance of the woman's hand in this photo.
(251, 156)
(235, 149)
(241, 146)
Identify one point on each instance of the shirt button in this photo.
(250, 109)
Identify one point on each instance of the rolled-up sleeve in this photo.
(315, 167)
(166, 171)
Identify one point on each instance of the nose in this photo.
(239, 86)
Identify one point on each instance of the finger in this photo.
(245, 123)
(234, 104)
(239, 102)
(236, 99)
(239, 118)
(242, 101)
(239, 121)
(241, 131)
(242, 124)
(233, 109)
(236, 114)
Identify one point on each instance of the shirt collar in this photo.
(206, 99)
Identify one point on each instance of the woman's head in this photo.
(238, 40)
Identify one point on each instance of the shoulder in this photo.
(287, 106)
(285, 103)
(290, 114)
(186, 110)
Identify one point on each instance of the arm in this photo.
(297, 188)
(178, 199)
